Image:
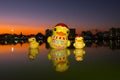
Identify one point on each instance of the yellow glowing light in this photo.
(12, 49)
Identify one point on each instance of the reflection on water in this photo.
(59, 59)
(112, 44)
(98, 60)
(79, 53)
(33, 52)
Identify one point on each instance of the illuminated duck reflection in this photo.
(59, 58)
(79, 53)
(33, 52)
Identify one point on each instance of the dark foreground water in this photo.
(20, 63)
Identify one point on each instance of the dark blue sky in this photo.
(75, 13)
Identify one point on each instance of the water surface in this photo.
(18, 62)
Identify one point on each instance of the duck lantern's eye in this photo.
(68, 32)
(54, 29)
(33, 39)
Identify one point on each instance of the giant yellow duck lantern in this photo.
(59, 38)
(59, 58)
(79, 42)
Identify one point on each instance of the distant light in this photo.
(12, 49)
(16, 41)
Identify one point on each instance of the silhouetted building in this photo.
(106, 35)
(39, 36)
(118, 33)
(114, 33)
(48, 33)
(87, 35)
(72, 34)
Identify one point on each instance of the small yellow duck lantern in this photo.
(33, 43)
(79, 54)
(59, 38)
(79, 43)
(59, 58)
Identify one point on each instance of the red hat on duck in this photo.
(61, 24)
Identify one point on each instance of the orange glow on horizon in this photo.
(25, 30)
(35, 30)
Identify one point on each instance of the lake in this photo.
(18, 62)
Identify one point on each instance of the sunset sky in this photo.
(33, 16)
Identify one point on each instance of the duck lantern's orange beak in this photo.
(79, 40)
(61, 33)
